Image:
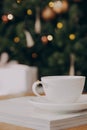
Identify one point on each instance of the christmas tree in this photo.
(51, 35)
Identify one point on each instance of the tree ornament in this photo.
(48, 14)
(5, 18)
(29, 39)
(65, 6)
(72, 62)
(37, 22)
(60, 6)
(57, 7)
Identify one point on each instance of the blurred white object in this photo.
(12, 62)
(37, 22)
(4, 59)
(17, 79)
(29, 39)
(72, 64)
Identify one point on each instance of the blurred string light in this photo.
(10, 16)
(56, 4)
(16, 39)
(29, 12)
(44, 39)
(72, 36)
(59, 25)
(19, 1)
(59, 6)
(4, 18)
(51, 4)
(50, 37)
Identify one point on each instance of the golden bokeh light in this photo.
(72, 36)
(51, 4)
(18, 1)
(29, 12)
(59, 25)
(16, 39)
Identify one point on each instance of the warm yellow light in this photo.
(72, 36)
(50, 37)
(51, 4)
(18, 1)
(59, 25)
(29, 12)
(10, 16)
(16, 39)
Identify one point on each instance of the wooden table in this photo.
(5, 126)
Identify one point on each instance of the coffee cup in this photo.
(61, 89)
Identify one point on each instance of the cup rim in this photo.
(64, 77)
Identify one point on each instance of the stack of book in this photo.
(20, 112)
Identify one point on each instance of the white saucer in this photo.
(42, 103)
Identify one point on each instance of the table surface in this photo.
(5, 126)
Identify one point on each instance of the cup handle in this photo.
(35, 85)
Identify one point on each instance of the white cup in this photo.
(61, 89)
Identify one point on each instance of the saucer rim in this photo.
(71, 107)
(32, 100)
